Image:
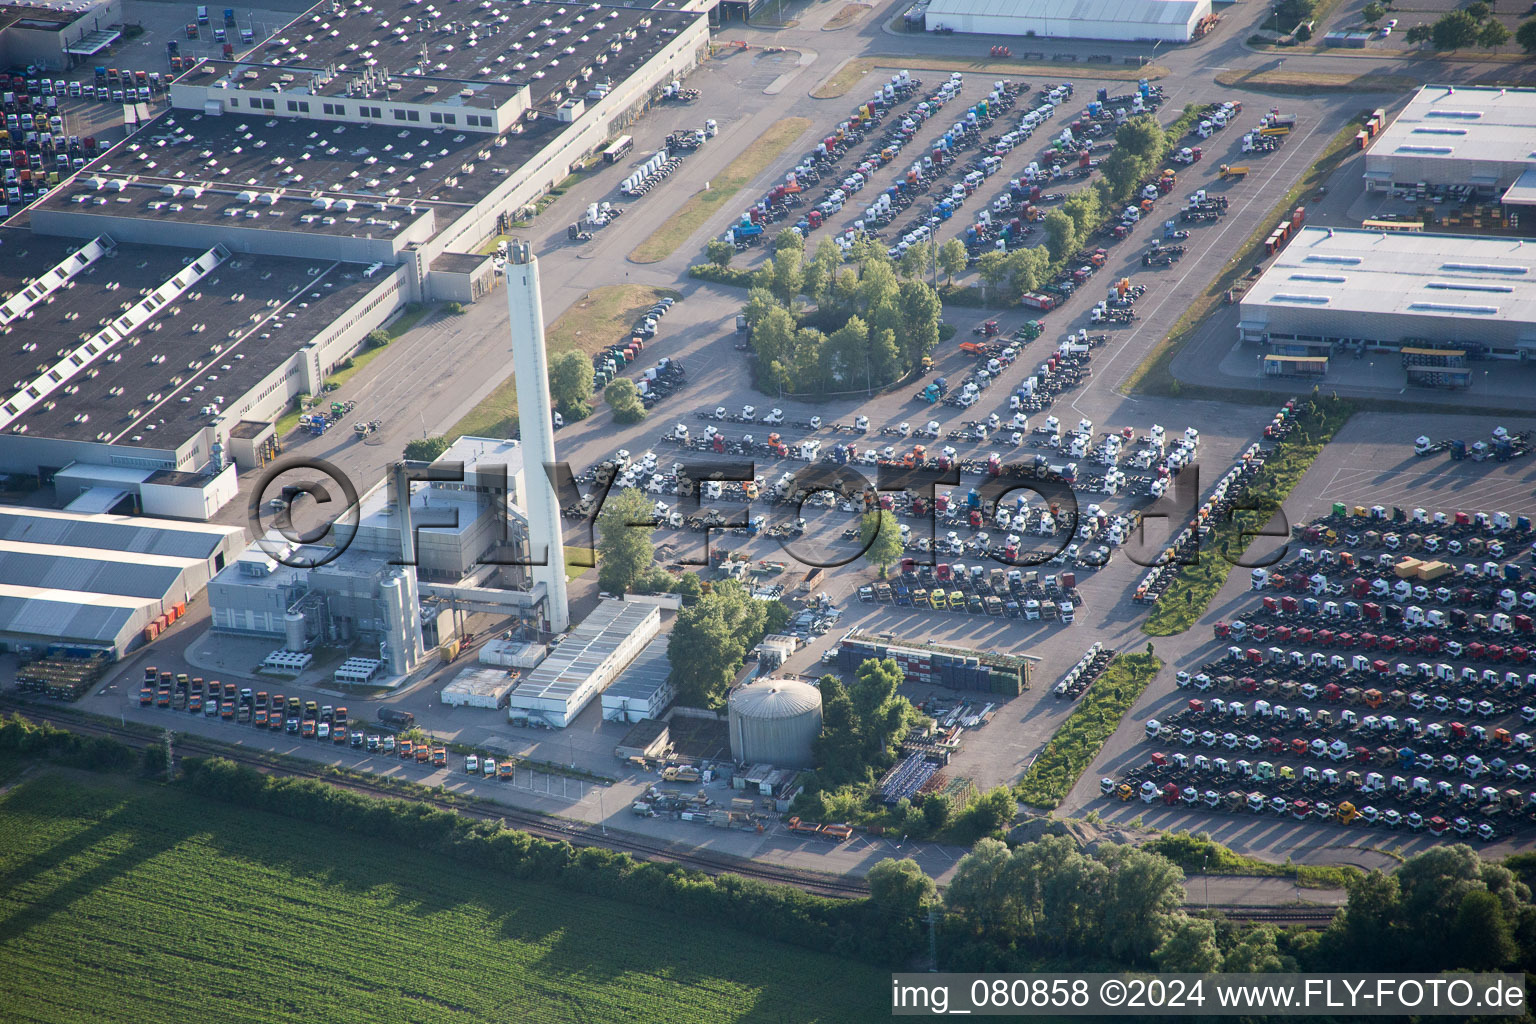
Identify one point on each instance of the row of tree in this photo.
(871, 320)
(1457, 30)
(1034, 905)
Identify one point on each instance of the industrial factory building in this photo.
(98, 581)
(249, 280)
(589, 658)
(1168, 21)
(1475, 137)
(1441, 298)
(775, 722)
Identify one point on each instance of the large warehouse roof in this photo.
(97, 579)
(1127, 12)
(111, 533)
(1464, 123)
(1358, 271)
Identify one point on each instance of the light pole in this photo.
(1203, 871)
(602, 815)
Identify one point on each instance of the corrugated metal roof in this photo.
(46, 617)
(645, 675)
(116, 533)
(584, 650)
(1138, 12)
(775, 698)
(86, 575)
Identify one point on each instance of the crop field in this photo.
(121, 901)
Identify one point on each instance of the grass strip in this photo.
(847, 76)
(1307, 83)
(1154, 375)
(1097, 715)
(1192, 590)
(600, 318)
(701, 206)
(1199, 854)
(847, 16)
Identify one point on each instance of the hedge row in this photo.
(43, 741)
(734, 276)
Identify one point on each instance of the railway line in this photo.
(578, 834)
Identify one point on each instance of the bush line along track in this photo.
(550, 827)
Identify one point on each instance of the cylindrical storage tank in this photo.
(775, 722)
(392, 597)
(294, 633)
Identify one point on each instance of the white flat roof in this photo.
(1464, 123)
(1405, 273)
(1523, 191)
(1136, 12)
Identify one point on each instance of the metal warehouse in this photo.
(1337, 288)
(1482, 138)
(644, 689)
(1169, 21)
(100, 581)
(591, 656)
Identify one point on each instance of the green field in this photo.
(128, 902)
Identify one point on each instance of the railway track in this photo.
(578, 834)
(1308, 917)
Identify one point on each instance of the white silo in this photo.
(294, 632)
(775, 722)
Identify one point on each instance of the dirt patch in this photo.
(847, 16)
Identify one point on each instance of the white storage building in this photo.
(1478, 137)
(644, 689)
(1332, 287)
(591, 656)
(1169, 21)
(480, 687)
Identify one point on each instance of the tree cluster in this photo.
(625, 554)
(1474, 26)
(1050, 899)
(570, 384)
(873, 319)
(1444, 909)
(426, 449)
(711, 639)
(623, 399)
(880, 534)
(862, 724)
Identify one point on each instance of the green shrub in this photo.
(734, 276)
(1082, 735)
(377, 338)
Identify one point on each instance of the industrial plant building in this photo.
(99, 582)
(590, 657)
(225, 258)
(1475, 137)
(1168, 21)
(408, 568)
(1450, 295)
